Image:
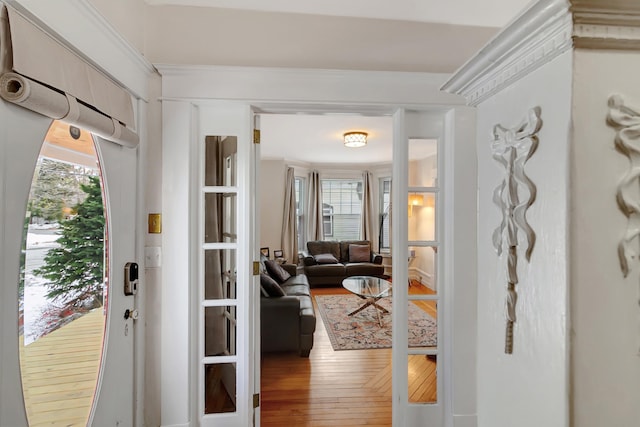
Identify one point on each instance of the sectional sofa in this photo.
(287, 316)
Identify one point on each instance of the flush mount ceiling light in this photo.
(355, 139)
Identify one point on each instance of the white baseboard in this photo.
(422, 276)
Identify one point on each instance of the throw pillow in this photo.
(276, 271)
(325, 259)
(359, 253)
(270, 286)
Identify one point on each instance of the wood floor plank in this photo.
(337, 388)
(59, 372)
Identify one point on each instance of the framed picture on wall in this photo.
(277, 253)
(265, 252)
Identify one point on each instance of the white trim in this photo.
(539, 34)
(78, 25)
(399, 262)
(281, 86)
(139, 348)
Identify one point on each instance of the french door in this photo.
(418, 371)
(226, 285)
(22, 137)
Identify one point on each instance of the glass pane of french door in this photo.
(63, 281)
(218, 301)
(423, 240)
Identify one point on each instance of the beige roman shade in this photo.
(41, 74)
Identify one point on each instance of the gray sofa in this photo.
(287, 322)
(328, 263)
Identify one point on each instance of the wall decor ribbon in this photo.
(513, 196)
(626, 121)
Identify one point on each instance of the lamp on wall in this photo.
(355, 139)
(415, 200)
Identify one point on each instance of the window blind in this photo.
(40, 73)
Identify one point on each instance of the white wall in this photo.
(246, 38)
(528, 388)
(272, 177)
(127, 17)
(604, 305)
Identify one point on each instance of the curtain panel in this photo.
(289, 242)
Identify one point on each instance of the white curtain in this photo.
(367, 220)
(315, 207)
(289, 240)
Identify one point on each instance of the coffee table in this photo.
(370, 289)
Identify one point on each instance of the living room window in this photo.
(341, 208)
(385, 215)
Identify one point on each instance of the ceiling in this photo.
(486, 13)
(317, 139)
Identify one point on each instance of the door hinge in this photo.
(256, 400)
(256, 136)
(256, 268)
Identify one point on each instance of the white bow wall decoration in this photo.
(514, 195)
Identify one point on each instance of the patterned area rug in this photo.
(362, 331)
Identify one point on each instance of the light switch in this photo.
(152, 256)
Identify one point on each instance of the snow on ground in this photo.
(35, 305)
(42, 240)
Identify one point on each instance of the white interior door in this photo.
(21, 138)
(226, 284)
(418, 369)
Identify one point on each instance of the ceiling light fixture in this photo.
(355, 139)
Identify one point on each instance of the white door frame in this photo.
(378, 93)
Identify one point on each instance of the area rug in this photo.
(362, 331)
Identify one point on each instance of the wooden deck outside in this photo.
(60, 370)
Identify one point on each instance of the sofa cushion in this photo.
(296, 289)
(364, 269)
(359, 253)
(316, 247)
(276, 271)
(270, 287)
(344, 248)
(299, 279)
(325, 270)
(325, 259)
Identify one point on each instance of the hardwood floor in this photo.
(338, 388)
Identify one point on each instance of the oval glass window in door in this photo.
(63, 281)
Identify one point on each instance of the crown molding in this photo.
(535, 37)
(600, 24)
(540, 33)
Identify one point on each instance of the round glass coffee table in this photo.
(371, 290)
